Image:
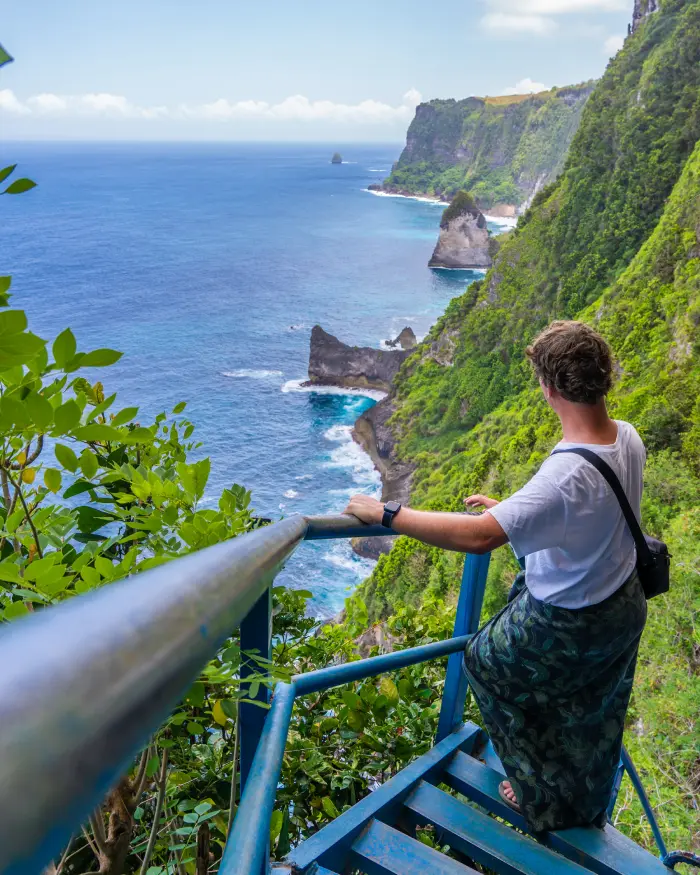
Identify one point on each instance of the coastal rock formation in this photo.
(373, 434)
(337, 158)
(406, 339)
(334, 363)
(503, 148)
(464, 237)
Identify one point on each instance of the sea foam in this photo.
(298, 386)
(350, 455)
(251, 374)
(410, 197)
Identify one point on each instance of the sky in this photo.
(282, 70)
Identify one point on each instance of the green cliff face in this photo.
(502, 149)
(614, 241)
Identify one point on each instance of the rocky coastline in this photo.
(334, 363)
(464, 241)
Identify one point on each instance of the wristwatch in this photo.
(391, 508)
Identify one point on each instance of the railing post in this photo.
(256, 635)
(471, 598)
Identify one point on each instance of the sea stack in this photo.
(337, 158)
(464, 237)
(334, 363)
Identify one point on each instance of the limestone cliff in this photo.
(502, 149)
(334, 363)
(643, 9)
(464, 238)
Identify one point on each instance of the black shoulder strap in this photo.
(643, 551)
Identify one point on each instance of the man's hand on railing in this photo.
(367, 509)
(449, 531)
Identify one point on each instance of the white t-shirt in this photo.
(568, 525)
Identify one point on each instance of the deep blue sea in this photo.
(208, 265)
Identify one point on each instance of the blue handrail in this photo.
(85, 684)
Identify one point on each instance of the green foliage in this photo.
(462, 203)
(498, 150)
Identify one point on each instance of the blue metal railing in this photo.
(86, 683)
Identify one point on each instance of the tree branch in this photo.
(28, 515)
(234, 778)
(93, 846)
(98, 832)
(160, 799)
(141, 776)
(30, 459)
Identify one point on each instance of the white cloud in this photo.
(526, 86)
(294, 108)
(9, 103)
(504, 22)
(613, 44)
(558, 7)
(539, 16)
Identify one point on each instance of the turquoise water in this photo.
(208, 265)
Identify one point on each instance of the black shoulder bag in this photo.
(653, 558)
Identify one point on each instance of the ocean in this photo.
(208, 265)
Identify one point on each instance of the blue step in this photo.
(605, 852)
(484, 839)
(382, 850)
(331, 845)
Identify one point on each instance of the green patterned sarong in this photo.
(553, 686)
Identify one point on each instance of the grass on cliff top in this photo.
(508, 99)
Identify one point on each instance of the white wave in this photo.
(461, 269)
(299, 327)
(305, 477)
(503, 221)
(377, 170)
(342, 556)
(298, 386)
(410, 197)
(350, 455)
(251, 374)
(291, 493)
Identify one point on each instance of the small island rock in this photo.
(406, 340)
(337, 158)
(464, 236)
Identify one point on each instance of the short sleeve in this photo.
(534, 518)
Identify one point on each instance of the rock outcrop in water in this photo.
(334, 363)
(337, 158)
(406, 340)
(464, 237)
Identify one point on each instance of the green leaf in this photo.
(78, 487)
(388, 688)
(139, 436)
(124, 416)
(96, 432)
(203, 807)
(353, 701)
(6, 171)
(9, 572)
(88, 464)
(100, 358)
(16, 610)
(152, 766)
(66, 457)
(329, 807)
(276, 822)
(40, 410)
(13, 322)
(19, 186)
(5, 283)
(195, 728)
(178, 408)
(52, 479)
(67, 416)
(64, 348)
(356, 720)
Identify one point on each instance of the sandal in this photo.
(509, 802)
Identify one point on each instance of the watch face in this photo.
(392, 507)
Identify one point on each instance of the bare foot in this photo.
(509, 792)
(505, 789)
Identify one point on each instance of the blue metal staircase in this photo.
(121, 659)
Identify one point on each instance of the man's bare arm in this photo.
(449, 531)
